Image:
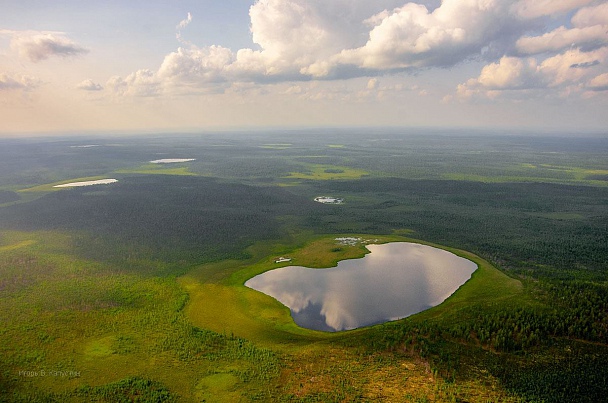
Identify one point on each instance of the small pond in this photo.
(391, 282)
(172, 160)
(87, 183)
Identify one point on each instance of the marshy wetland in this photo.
(137, 288)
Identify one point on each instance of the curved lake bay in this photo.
(395, 280)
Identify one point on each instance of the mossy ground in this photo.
(159, 169)
(80, 317)
(327, 172)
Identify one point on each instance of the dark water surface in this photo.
(395, 280)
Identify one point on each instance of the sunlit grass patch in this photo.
(495, 179)
(223, 303)
(243, 312)
(327, 172)
(230, 343)
(49, 187)
(102, 347)
(327, 252)
(539, 173)
(277, 146)
(219, 387)
(578, 172)
(75, 316)
(158, 169)
(229, 306)
(568, 178)
(17, 245)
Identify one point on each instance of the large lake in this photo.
(395, 280)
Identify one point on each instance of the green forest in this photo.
(133, 291)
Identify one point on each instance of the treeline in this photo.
(566, 372)
(170, 218)
(6, 196)
(507, 329)
(193, 219)
(190, 344)
(522, 328)
(521, 348)
(517, 225)
(128, 390)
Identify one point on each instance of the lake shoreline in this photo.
(406, 278)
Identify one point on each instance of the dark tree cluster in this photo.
(173, 218)
(6, 196)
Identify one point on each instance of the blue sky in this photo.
(73, 66)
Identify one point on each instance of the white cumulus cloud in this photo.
(573, 69)
(589, 30)
(183, 24)
(510, 73)
(412, 36)
(142, 83)
(563, 38)
(89, 85)
(568, 60)
(589, 16)
(9, 82)
(195, 68)
(37, 46)
(304, 40)
(539, 8)
(574, 66)
(599, 83)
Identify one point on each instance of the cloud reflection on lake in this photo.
(395, 280)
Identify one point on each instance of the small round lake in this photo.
(391, 282)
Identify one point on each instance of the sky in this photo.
(72, 66)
